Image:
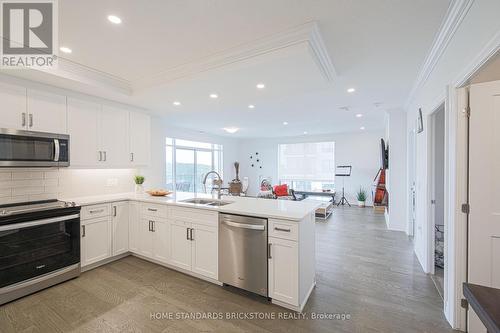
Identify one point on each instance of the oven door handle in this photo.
(38, 222)
(57, 150)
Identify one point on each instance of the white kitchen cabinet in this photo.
(180, 244)
(283, 271)
(46, 112)
(145, 238)
(134, 221)
(13, 100)
(96, 238)
(140, 139)
(120, 211)
(161, 240)
(83, 131)
(113, 134)
(204, 259)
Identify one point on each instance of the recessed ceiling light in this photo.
(214, 96)
(305, 132)
(351, 90)
(65, 49)
(362, 128)
(251, 106)
(114, 19)
(176, 103)
(359, 115)
(260, 86)
(285, 123)
(231, 129)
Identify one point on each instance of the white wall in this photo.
(396, 174)
(361, 150)
(160, 129)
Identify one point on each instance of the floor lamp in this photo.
(343, 171)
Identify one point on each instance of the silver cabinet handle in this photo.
(152, 209)
(31, 120)
(100, 156)
(131, 157)
(83, 231)
(245, 226)
(282, 229)
(187, 233)
(150, 225)
(105, 156)
(153, 226)
(114, 210)
(191, 234)
(269, 251)
(23, 119)
(96, 211)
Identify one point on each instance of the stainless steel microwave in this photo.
(33, 149)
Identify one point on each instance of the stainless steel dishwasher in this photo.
(243, 252)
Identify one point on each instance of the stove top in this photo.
(33, 207)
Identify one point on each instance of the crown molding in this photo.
(457, 11)
(305, 33)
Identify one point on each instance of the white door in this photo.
(204, 257)
(484, 185)
(96, 240)
(82, 128)
(46, 112)
(140, 138)
(13, 107)
(161, 240)
(145, 237)
(180, 245)
(134, 223)
(283, 271)
(113, 130)
(120, 211)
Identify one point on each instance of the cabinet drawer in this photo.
(90, 212)
(201, 216)
(153, 210)
(283, 229)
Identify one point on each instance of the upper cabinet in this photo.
(46, 112)
(82, 128)
(140, 138)
(113, 130)
(13, 99)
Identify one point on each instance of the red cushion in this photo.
(281, 190)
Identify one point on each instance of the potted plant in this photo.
(139, 180)
(361, 195)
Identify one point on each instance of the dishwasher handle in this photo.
(245, 225)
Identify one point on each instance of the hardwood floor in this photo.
(363, 270)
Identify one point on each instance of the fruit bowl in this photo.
(158, 193)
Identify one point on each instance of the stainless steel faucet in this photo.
(215, 182)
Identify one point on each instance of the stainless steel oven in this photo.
(39, 246)
(33, 149)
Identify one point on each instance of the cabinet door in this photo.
(180, 245)
(205, 250)
(82, 128)
(96, 240)
(283, 270)
(46, 112)
(161, 240)
(134, 223)
(13, 107)
(113, 130)
(145, 243)
(120, 211)
(140, 138)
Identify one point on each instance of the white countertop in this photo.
(269, 208)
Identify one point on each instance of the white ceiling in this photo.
(375, 46)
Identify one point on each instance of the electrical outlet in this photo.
(110, 182)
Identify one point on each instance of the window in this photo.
(307, 166)
(187, 162)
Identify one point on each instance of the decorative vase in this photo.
(361, 203)
(139, 189)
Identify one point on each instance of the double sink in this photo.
(207, 202)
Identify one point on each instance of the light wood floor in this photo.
(362, 270)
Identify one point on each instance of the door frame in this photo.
(412, 182)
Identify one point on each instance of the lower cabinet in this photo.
(180, 243)
(284, 270)
(120, 211)
(95, 240)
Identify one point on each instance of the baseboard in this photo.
(105, 261)
(304, 302)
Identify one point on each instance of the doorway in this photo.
(437, 169)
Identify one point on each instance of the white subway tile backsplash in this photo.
(27, 175)
(5, 176)
(51, 182)
(18, 191)
(5, 192)
(27, 183)
(51, 175)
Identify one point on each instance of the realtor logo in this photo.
(29, 33)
